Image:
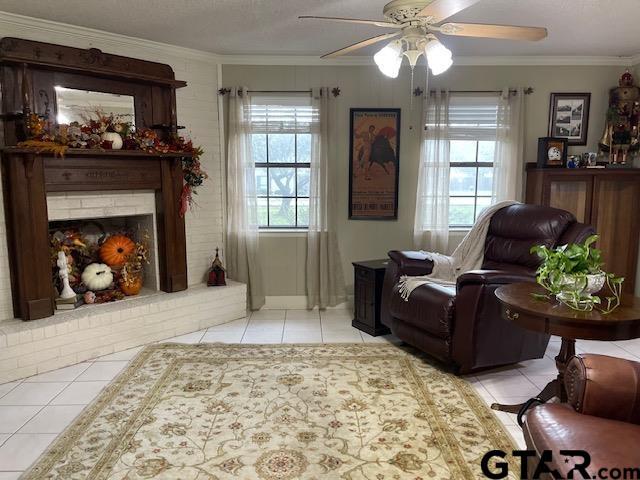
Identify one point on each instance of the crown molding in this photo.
(90, 35)
(523, 60)
(293, 60)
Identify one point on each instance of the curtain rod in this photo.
(527, 91)
(335, 91)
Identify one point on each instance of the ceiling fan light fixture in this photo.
(389, 59)
(438, 56)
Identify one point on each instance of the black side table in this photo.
(369, 277)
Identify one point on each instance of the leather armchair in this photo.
(462, 325)
(601, 418)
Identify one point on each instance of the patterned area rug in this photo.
(278, 412)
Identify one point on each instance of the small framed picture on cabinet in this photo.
(552, 152)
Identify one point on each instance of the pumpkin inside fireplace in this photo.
(121, 251)
(116, 249)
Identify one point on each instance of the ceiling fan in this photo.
(416, 22)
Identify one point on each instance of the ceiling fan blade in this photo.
(377, 23)
(362, 44)
(509, 32)
(439, 10)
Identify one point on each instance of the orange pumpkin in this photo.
(115, 250)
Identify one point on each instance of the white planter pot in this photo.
(114, 138)
(595, 282)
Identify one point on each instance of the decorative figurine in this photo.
(67, 292)
(621, 135)
(216, 273)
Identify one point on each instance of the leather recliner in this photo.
(602, 418)
(462, 325)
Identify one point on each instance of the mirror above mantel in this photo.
(75, 105)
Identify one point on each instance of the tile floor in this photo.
(35, 410)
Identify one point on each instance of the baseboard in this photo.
(299, 302)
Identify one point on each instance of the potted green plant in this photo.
(573, 274)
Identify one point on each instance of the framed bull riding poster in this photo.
(374, 160)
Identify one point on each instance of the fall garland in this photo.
(56, 139)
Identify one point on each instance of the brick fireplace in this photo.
(40, 188)
(30, 177)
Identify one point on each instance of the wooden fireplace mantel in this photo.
(28, 176)
(85, 169)
(29, 73)
(88, 152)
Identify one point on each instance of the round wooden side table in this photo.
(550, 316)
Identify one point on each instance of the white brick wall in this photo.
(197, 108)
(29, 348)
(78, 205)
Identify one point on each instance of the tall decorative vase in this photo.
(132, 284)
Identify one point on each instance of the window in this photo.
(281, 140)
(472, 144)
(470, 180)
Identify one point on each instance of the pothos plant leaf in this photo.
(564, 273)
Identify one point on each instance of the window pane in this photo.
(282, 212)
(259, 147)
(486, 151)
(485, 180)
(462, 181)
(482, 203)
(282, 148)
(261, 181)
(263, 220)
(282, 182)
(303, 212)
(462, 151)
(304, 147)
(303, 182)
(461, 211)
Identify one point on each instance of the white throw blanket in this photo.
(469, 255)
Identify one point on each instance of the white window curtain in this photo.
(508, 171)
(324, 277)
(431, 227)
(466, 116)
(243, 262)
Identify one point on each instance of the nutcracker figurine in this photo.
(621, 135)
(216, 273)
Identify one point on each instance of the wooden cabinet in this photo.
(608, 199)
(369, 277)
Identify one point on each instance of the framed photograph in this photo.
(569, 117)
(552, 152)
(374, 161)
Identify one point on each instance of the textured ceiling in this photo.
(576, 27)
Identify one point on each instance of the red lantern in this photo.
(216, 276)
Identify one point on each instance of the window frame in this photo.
(475, 165)
(296, 166)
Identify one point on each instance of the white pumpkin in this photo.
(97, 276)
